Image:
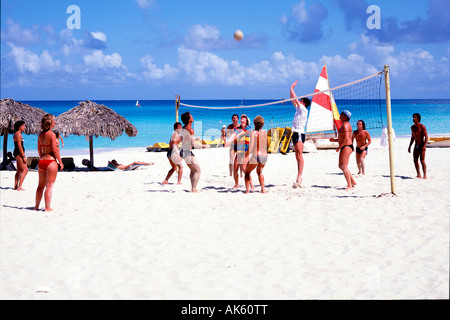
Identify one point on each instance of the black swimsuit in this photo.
(418, 147)
(16, 149)
(349, 145)
(359, 151)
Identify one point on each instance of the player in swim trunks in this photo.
(419, 135)
(345, 147)
(363, 141)
(173, 154)
(47, 167)
(187, 143)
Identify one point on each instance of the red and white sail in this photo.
(323, 113)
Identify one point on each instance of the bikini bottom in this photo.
(43, 164)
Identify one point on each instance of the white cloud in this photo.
(350, 68)
(97, 60)
(204, 38)
(28, 61)
(18, 35)
(206, 68)
(418, 61)
(146, 4)
(99, 36)
(152, 72)
(299, 12)
(69, 44)
(372, 50)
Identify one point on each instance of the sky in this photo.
(155, 49)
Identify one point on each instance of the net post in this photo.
(177, 106)
(390, 131)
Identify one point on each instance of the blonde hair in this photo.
(46, 122)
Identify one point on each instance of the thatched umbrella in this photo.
(92, 119)
(12, 111)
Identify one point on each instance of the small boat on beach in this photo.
(438, 142)
(158, 147)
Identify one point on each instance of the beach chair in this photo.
(114, 168)
(275, 139)
(133, 167)
(68, 163)
(269, 137)
(32, 162)
(212, 143)
(285, 142)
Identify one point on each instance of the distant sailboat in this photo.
(137, 103)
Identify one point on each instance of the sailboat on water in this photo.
(137, 103)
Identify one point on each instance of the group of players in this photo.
(248, 148)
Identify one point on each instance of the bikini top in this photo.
(46, 145)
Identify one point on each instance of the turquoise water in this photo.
(154, 119)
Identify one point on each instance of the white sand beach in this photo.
(124, 235)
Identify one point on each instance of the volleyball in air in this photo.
(238, 35)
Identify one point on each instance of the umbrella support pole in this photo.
(5, 149)
(91, 151)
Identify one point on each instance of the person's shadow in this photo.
(19, 208)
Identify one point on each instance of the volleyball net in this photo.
(364, 98)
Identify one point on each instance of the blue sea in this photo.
(154, 120)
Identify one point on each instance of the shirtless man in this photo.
(187, 144)
(419, 135)
(173, 154)
(345, 147)
(363, 141)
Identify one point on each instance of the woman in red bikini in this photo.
(48, 167)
